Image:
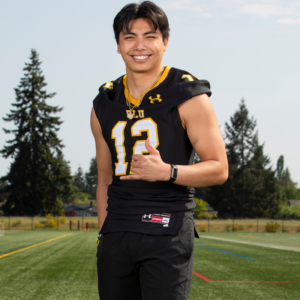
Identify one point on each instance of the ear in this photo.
(166, 41)
(118, 49)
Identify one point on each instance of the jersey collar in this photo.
(135, 101)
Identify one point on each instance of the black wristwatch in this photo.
(173, 173)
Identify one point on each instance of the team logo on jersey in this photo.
(163, 219)
(155, 99)
(131, 114)
(147, 217)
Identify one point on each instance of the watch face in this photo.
(174, 172)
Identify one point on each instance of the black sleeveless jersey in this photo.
(136, 205)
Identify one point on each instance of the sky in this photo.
(246, 49)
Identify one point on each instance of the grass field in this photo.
(62, 265)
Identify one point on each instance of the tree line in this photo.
(39, 179)
(253, 188)
(84, 184)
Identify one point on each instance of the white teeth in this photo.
(141, 57)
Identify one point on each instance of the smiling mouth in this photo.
(140, 57)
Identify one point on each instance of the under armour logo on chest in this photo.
(155, 99)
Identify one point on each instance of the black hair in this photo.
(145, 9)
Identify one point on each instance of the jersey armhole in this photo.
(180, 119)
(96, 109)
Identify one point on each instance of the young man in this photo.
(146, 125)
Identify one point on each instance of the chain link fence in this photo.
(247, 225)
(50, 223)
(204, 225)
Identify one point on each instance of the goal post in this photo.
(1, 228)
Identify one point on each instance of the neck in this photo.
(138, 83)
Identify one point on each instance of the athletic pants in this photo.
(138, 266)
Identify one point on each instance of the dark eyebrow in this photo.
(129, 33)
(150, 32)
(132, 33)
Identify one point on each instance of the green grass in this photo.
(61, 269)
(66, 268)
(289, 240)
(267, 265)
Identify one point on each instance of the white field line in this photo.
(251, 243)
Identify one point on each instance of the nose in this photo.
(140, 45)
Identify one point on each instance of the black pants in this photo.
(139, 266)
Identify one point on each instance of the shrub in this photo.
(51, 223)
(290, 212)
(228, 227)
(63, 219)
(200, 209)
(93, 225)
(39, 225)
(250, 225)
(272, 227)
(235, 227)
(16, 223)
(202, 228)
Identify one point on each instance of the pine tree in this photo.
(38, 175)
(251, 188)
(68, 182)
(288, 188)
(82, 187)
(91, 178)
(79, 180)
(3, 195)
(283, 175)
(280, 168)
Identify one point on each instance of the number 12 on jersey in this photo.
(140, 126)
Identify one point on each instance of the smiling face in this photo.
(142, 47)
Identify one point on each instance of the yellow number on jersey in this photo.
(144, 125)
(117, 134)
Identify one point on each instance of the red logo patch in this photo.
(157, 218)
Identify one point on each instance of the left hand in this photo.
(149, 167)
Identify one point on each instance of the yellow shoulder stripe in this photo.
(135, 101)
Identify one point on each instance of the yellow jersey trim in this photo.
(134, 101)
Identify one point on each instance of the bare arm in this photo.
(105, 171)
(198, 117)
